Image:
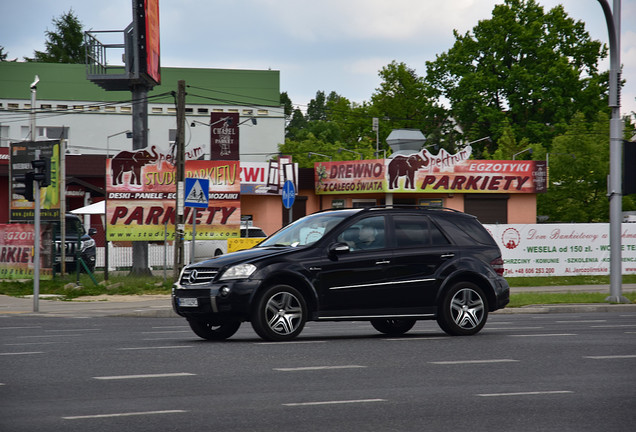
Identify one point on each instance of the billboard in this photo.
(141, 197)
(22, 153)
(146, 14)
(423, 172)
(16, 251)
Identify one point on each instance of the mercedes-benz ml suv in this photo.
(391, 266)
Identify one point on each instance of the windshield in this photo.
(307, 230)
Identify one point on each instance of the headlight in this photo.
(240, 271)
(86, 244)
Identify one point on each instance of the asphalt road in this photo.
(523, 372)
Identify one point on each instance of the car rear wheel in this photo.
(212, 331)
(394, 327)
(463, 310)
(280, 313)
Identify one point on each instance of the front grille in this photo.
(198, 276)
(70, 248)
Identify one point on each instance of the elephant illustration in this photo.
(405, 166)
(132, 162)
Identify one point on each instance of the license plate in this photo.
(188, 302)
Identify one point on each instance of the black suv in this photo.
(387, 265)
(76, 239)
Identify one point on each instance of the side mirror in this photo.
(339, 249)
(92, 231)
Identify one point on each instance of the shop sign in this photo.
(423, 172)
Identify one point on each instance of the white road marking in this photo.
(609, 357)
(165, 375)
(416, 338)
(289, 343)
(19, 328)
(124, 414)
(614, 325)
(525, 393)
(544, 335)
(512, 328)
(21, 353)
(151, 348)
(73, 330)
(455, 362)
(334, 402)
(580, 321)
(47, 336)
(312, 368)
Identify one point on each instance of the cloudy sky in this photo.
(328, 45)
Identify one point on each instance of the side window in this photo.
(365, 234)
(417, 231)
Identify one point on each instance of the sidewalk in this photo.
(159, 305)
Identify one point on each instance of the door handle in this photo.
(448, 255)
(383, 262)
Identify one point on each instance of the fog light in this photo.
(224, 291)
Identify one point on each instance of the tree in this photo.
(578, 169)
(405, 100)
(65, 44)
(531, 68)
(3, 55)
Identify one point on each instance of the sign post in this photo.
(289, 196)
(197, 196)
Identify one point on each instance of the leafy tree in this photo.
(532, 68)
(3, 55)
(509, 148)
(65, 44)
(578, 169)
(316, 110)
(286, 102)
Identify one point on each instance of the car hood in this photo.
(247, 255)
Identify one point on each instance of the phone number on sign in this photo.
(532, 270)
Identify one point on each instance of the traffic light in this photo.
(27, 190)
(42, 171)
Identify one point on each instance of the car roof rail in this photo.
(411, 206)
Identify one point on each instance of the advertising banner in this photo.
(561, 249)
(16, 252)
(141, 198)
(423, 172)
(22, 154)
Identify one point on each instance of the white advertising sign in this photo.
(561, 249)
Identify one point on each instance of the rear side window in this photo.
(417, 231)
(465, 230)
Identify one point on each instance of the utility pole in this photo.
(615, 187)
(179, 225)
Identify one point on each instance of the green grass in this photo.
(117, 284)
(536, 298)
(123, 284)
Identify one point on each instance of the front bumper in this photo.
(215, 302)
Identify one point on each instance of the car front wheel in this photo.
(280, 313)
(393, 327)
(212, 331)
(463, 310)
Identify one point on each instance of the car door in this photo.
(421, 249)
(353, 283)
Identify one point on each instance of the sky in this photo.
(326, 45)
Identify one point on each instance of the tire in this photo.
(463, 310)
(280, 313)
(207, 330)
(393, 327)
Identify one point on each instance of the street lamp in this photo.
(128, 135)
(615, 187)
(341, 149)
(310, 154)
(529, 150)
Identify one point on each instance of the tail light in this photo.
(498, 266)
